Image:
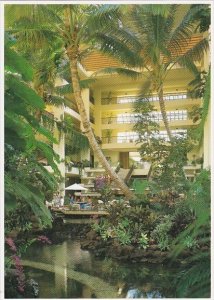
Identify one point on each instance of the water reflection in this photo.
(129, 280)
(67, 255)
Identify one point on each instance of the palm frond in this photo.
(122, 71)
(16, 63)
(55, 100)
(119, 49)
(157, 9)
(186, 62)
(23, 91)
(102, 16)
(49, 154)
(30, 195)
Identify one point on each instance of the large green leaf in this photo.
(29, 194)
(49, 154)
(18, 64)
(22, 90)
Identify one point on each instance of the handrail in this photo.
(171, 116)
(132, 99)
(135, 138)
(121, 139)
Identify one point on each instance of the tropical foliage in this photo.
(73, 28)
(102, 185)
(27, 182)
(195, 279)
(151, 39)
(75, 141)
(201, 87)
(167, 159)
(179, 224)
(26, 179)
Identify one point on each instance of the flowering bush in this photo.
(43, 239)
(101, 182)
(13, 259)
(102, 185)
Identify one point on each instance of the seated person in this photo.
(89, 204)
(78, 199)
(71, 199)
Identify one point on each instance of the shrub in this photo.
(143, 241)
(161, 233)
(182, 215)
(190, 242)
(123, 236)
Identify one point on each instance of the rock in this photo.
(91, 235)
(153, 247)
(86, 244)
(127, 250)
(136, 254)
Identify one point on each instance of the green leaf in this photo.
(18, 64)
(23, 91)
(121, 71)
(10, 202)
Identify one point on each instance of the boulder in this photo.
(91, 235)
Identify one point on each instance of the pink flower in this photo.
(43, 239)
(19, 273)
(11, 244)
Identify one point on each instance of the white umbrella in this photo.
(76, 187)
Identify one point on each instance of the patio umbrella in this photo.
(76, 187)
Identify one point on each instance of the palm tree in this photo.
(156, 40)
(73, 28)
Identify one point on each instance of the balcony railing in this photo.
(121, 139)
(132, 99)
(133, 138)
(157, 117)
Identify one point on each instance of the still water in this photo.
(66, 271)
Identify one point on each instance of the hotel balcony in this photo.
(177, 118)
(126, 102)
(128, 140)
(119, 143)
(191, 171)
(71, 171)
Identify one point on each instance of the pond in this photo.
(65, 271)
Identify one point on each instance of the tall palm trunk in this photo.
(163, 113)
(87, 127)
